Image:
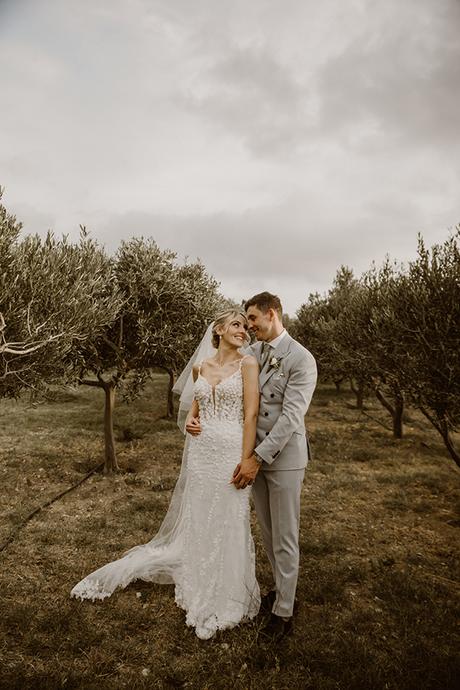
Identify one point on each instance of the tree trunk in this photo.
(395, 410)
(110, 456)
(170, 403)
(443, 429)
(398, 417)
(359, 392)
(337, 384)
(450, 447)
(111, 464)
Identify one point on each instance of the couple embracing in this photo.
(245, 407)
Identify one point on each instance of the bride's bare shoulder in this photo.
(197, 368)
(249, 362)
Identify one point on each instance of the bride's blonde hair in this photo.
(221, 318)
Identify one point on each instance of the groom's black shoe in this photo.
(267, 601)
(276, 628)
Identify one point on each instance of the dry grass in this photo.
(378, 592)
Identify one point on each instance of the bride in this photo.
(204, 545)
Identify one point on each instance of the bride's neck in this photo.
(226, 354)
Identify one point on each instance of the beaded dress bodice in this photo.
(222, 402)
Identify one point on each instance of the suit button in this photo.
(266, 433)
(265, 414)
(272, 395)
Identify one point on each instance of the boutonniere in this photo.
(275, 363)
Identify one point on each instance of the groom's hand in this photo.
(193, 426)
(245, 473)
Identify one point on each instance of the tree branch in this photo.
(90, 382)
(386, 404)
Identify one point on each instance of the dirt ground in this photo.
(378, 586)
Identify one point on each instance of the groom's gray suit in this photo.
(287, 380)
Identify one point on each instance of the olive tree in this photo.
(313, 328)
(379, 347)
(347, 330)
(425, 303)
(322, 326)
(195, 306)
(54, 295)
(363, 339)
(164, 308)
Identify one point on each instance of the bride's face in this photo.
(235, 331)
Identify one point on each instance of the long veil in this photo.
(184, 384)
(159, 560)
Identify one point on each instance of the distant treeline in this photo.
(394, 333)
(70, 313)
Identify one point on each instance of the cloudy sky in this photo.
(275, 139)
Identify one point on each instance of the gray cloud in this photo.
(258, 97)
(274, 140)
(392, 84)
(261, 249)
(398, 82)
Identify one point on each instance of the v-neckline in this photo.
(213, 387)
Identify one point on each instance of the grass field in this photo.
(378, 581)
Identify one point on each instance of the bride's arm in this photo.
(193, 413)
(192, 422)
(251, 397)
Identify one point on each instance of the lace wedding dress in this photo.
(204, 545)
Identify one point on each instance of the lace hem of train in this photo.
(90, 589)
(207, 624)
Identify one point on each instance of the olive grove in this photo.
(395, 332)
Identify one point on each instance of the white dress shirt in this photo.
(276, 341)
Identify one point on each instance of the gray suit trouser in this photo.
(276, 496)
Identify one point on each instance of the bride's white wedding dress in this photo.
(204, 545)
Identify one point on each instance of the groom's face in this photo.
(260, 323)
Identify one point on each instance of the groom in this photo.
(287, 380)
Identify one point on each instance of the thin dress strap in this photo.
(241, 361)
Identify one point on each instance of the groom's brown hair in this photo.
(265, 301)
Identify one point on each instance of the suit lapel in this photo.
(280, 351)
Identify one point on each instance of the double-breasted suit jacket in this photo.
(286, 382)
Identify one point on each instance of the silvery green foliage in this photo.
(165, 310)
(318, 327)
(166, 307)
(397, 330)
(54, 295)
(425, 308)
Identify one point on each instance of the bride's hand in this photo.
(193, 426)
(246, 474)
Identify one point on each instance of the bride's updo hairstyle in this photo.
(221, 319)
